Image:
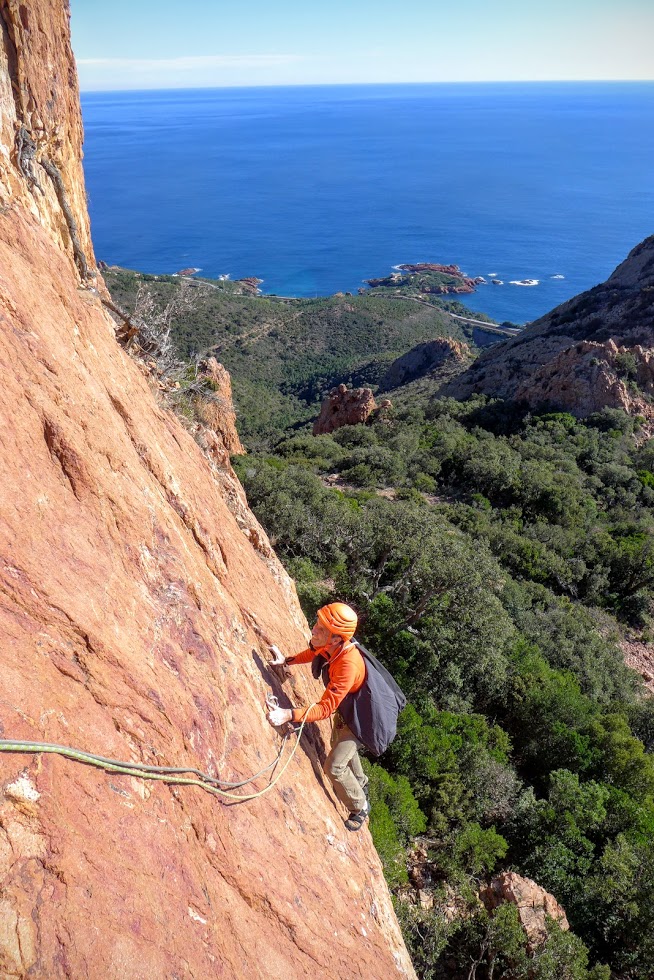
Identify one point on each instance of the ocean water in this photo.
(314, 189)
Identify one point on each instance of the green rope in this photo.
(112, 764)
(165, 774)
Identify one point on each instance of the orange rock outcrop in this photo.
(344, 406)
(589, 376)
(137, 596)
(534, 904)
(551, 360)
(216, 408)
(639, 655)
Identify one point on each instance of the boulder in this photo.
(344, 406)
(534, 904)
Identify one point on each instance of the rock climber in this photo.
(331, 640)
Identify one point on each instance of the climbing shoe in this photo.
(356, 820)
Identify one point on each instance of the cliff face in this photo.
(40, 123)
(134, 610)
(217, 412)
(550, 360)
(588, 377)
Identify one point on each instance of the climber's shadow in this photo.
(312, 742)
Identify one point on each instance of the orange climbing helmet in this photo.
(339, 619)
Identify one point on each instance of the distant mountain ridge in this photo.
(541, 366)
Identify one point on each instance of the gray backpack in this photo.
(371, 712)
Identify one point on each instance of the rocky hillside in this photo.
(284, 353)
(425, 359)
(135, 608)
(584, 355)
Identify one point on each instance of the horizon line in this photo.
(489, 81)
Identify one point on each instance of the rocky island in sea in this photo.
(428, 277)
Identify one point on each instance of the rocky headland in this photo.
(593, 351)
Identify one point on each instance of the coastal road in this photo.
(492, 327)
(483, 324)
(198, 282)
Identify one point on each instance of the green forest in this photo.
(494, 582)
(496, 558)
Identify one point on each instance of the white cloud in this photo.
(191, 63)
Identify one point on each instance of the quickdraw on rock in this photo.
(272, 700)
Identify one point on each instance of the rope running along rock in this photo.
(165, 774)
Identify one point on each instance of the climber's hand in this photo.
(279, 716)
(278, 655)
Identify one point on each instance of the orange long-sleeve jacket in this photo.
(347, 672)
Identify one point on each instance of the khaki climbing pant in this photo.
(343, 766)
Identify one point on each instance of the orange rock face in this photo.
(533, 902)
(344, 406)
(135, 609)
(40, 123)
(217, 411)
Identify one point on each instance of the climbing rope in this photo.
(165, 774)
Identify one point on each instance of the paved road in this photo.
(490, 327)
(484, 324)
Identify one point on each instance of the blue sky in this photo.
(131, 44)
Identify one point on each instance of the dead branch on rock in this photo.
(129, 329)
(53, 172)
(155, 323)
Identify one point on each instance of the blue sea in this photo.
(314, 189)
